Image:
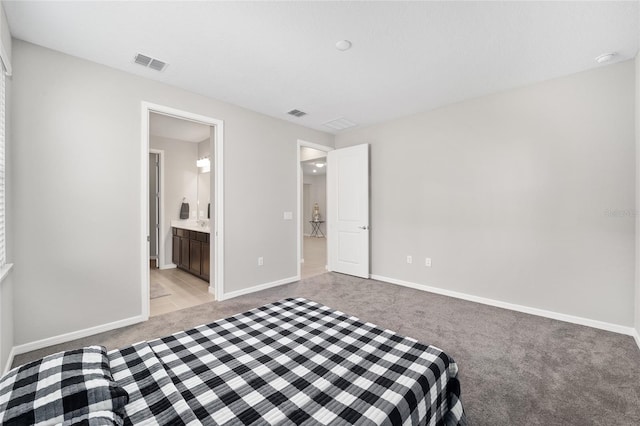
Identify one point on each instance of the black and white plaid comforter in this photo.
(290, 362)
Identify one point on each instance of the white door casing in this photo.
(217, 234)
(348, 210)
(300, 185)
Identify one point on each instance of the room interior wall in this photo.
(637, 209)
(525, 196)
(180, 181)
(206, 180)
(306, 209)
(317, 194)
(79, 251)
(154, 187)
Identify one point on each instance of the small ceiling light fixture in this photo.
(320, 165)
(315, 171)
(606, 57)
(343, 45)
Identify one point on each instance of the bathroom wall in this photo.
(205, 180)
(180, 181)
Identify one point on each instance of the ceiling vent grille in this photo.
(146, 61)
(340, 124)
(297, 113)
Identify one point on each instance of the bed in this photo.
(290, 362)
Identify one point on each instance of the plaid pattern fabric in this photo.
(153, 397)
(298, 362)
(73, 387)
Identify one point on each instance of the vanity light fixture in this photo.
(320, 165)
(203, 162)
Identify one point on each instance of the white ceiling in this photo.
(176, 128)
(272, 57)
(308, 167)
(309, 160)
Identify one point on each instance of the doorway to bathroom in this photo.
(312, 175)
(184, 209)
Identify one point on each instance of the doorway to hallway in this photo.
(312, 166)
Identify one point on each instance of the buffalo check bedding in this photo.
(290, 362)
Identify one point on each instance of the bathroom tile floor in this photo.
(186, 291)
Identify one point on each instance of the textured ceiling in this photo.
(272, 57)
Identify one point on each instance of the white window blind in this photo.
(3, 252)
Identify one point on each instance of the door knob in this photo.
(363, 227)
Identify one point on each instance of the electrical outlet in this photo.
(287, 216)
(427, 262)
(409, 259)
(260, 261)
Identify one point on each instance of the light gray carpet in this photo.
(157, 290)
(515, 369)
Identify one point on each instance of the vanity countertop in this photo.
(191, 225)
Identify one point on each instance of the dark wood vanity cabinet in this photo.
(191, 251)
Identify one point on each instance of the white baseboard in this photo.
(7, 366)
(616, 328)
(636, 335)
(169, 266)
(259, 287)
(67, 337)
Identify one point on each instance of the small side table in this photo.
(315, 228)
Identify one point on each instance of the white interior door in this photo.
(348, 210)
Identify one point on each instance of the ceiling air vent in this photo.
(146, 61)
(340, 124)
(297, 113)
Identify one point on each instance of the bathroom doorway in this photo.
(312, 167)
(182, 194)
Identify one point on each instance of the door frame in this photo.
(161, 239)
(217, 248)
(301, 143)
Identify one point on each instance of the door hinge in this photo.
(148, 238)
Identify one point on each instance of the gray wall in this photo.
(153, 188)
(78, 255)
(317, 194)
(180, 181)
(205, 180)
(525, 196)
(637, 211)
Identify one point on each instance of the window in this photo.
(3, 252)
